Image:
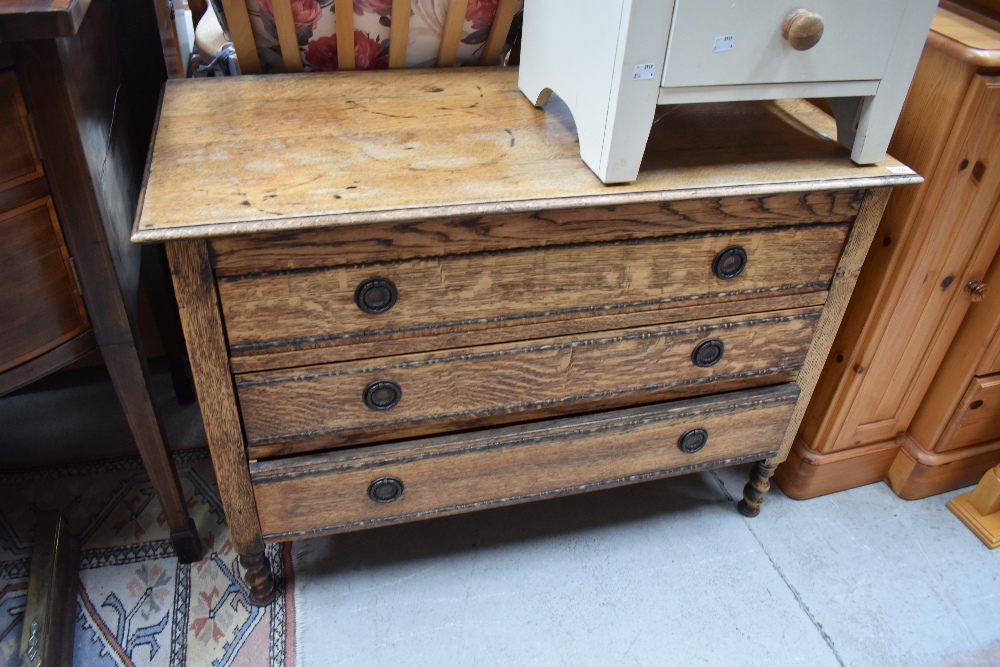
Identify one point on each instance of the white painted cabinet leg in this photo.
(588, 53)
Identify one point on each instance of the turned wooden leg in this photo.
(753, 492)
(979, 509)
(259, 577)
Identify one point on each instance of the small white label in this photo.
(724, 43)
(901, 169)
(646, 71)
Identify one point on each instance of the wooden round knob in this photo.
(802, 28)
(977, 290)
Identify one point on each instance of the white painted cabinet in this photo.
(613, 61)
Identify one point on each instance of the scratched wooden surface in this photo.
(289, 152)
(327, 493)
(288, 411)
(286, 310)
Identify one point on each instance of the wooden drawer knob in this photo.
(375, 295)
(977, 290)
(382, 395)
(730, 262)
(708, 352)
(692, 440)
(385, 489)
(802, 28)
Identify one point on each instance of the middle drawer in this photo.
(333, 405)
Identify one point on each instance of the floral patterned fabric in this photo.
(316, 25)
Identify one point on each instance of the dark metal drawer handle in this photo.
(382, 394)
(708, 352)
(730, 262)
(385, 489)
(376, 295)
(692, 440)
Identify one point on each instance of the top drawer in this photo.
(347, 304)
(857, 39)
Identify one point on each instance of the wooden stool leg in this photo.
(129, 375)
(753, 492)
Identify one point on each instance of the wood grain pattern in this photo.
(45, 308)
(344, 10)
(328, 493)
(848, 270)
(966, 39)
(85, 112)
(931, 112)
(241, 34)
(18, 161)
(515, 158)
(806, 474)
(976, 418)
(939, 421)
(399, 33)
(448, 338)
(363, 244)
(481, 386)
(451, 35)
(288, 40)
(285, 310)
(916, 474)
(202, 324)
(502, 20)
(51, 361)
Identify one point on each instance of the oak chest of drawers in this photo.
(404, 295)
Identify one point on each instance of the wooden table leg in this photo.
(130, 377)
(199, 312)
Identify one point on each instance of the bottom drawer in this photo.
(351, 489)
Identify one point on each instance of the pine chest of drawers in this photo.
(404, 296)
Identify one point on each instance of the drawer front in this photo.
(977, 417)
(412, 395)
(327, 307)
(45, 309)
(334, 492)
(857, 39)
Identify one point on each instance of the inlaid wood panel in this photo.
(329, 492)
(323, 406)
(39, 306)
(314, 308)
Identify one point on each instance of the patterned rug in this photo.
(137, 606)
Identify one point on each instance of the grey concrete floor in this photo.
(662, 573)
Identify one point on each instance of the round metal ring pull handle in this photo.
(385, 489)
(730, 262)
(692, 440)
(382, 395)
(708, 352)
(376, 295)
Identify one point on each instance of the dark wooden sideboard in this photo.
(406, 296)
(74, 130)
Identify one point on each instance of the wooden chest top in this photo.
(293, 152)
